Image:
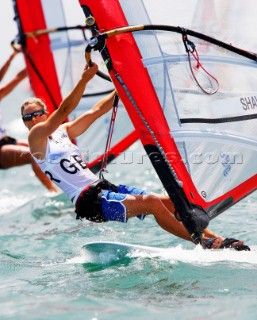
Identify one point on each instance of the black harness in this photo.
(7, 140)
(89, 204)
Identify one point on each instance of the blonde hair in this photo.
(33, 100)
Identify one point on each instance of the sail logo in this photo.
(249, 103)
(226, 163)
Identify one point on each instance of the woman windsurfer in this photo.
(99, 201)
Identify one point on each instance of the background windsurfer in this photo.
(16, 152)
(95, 199)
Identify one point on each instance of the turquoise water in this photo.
(45, 274)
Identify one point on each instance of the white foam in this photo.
(9, 201)
(197, 256)
(200, 256)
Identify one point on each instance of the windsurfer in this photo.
(96, 200)
(16, 152)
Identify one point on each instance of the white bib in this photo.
(64, 165)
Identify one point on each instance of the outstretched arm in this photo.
(6, 65)
(44, 129)
(6, 89)
(80, 125)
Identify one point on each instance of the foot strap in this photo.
(208, 243)
(227, 243)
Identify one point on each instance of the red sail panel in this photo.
(127, 61)
(38, 54)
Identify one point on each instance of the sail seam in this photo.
(219, 120)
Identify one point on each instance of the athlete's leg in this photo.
(208, 234)
(12, 155)
(164, 215)
(163, 210)
(151, 204)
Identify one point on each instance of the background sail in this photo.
(54, 50)
(38, 55)
(209, 140)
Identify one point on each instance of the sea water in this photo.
(45, 274)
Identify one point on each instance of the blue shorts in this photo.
(112, 207)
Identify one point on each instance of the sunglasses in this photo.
(30, 116)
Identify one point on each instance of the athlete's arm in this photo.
(6, 89)
(6, 65)
(44, 129)
(80, 125)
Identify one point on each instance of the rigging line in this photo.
(191, 49)
(109, 137)
(52, 30)
(96, 94)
